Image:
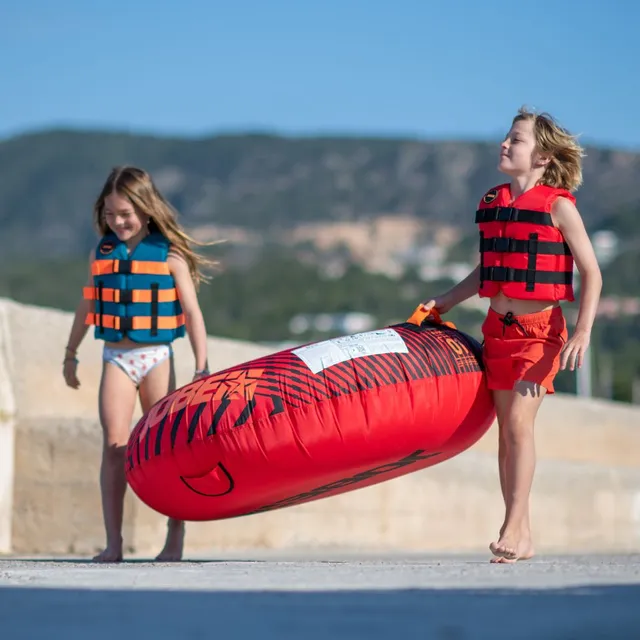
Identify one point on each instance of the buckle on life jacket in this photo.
(500, 274)
(124, 266)
(125, 296)
(125, 324)
(500, 245)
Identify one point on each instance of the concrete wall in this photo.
(7, 433)
(577, 506)
(583, 430)
(452, 507)
(586, 495)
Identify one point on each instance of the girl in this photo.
(140, 295)
(530, 235)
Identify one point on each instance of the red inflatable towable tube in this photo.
(312, 422)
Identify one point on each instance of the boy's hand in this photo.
(574, 350)
(440, 303)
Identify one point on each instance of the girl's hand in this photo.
(69, 371)
(574, 350)
(198, 375)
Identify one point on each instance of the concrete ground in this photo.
(324, 595)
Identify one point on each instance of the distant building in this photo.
(606, 246)
(343, 323)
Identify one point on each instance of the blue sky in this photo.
(443, 69)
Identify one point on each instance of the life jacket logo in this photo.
(106, 248)
(490, 196)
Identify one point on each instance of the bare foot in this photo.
(507, 545)
(110, 554)
(174, 544)
(510, 549)
(527, 554)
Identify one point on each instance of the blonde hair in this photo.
(565, 154)
(138, 187)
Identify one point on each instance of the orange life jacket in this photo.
(522, 253)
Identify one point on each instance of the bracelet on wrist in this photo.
(204, 371)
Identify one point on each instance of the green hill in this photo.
(50, 179)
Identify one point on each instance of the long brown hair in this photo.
(138, 187)
(565, 154)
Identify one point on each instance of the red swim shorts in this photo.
(525, 347)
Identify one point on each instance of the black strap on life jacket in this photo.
(530, 276)
(154, 308)
(511, 245)
(481, 259)
(100, 305)
(511, 214)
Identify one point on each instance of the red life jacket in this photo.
(522, 253)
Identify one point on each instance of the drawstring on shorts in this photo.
(508, 320)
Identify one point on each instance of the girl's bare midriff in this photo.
(126, 343)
